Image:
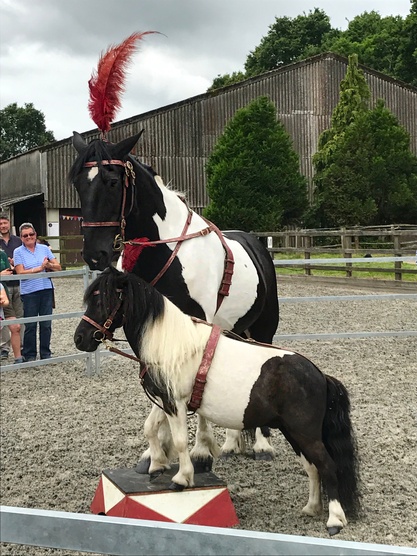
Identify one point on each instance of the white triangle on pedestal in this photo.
(111, 494)
(178, 506)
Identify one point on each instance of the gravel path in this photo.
(60, 428)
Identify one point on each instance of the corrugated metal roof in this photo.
(15, 200)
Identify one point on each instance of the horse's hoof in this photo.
(334, 530)
(156, 474)
(176, 487)
(263, 456)
(143, 466)
(202, 465)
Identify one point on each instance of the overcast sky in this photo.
(49, 48)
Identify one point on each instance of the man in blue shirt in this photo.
(37, 295)
(9, 242)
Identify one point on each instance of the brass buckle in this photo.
(118, 243)
(130, 171)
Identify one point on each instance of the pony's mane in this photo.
(167, 340)
(141, 302)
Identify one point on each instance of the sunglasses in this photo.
(30, 234)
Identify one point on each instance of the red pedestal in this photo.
(125, 493)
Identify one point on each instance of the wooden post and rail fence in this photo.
(369, 242)
(372, 241)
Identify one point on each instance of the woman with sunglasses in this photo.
(37, 295)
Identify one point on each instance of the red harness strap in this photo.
(201, 378)
(229, 264)
(175, 251)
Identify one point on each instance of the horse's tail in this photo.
(340, 442)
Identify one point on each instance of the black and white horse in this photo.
(247, 385)
(225, 278)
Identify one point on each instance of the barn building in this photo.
(179, 138)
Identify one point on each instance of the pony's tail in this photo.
(340, 442)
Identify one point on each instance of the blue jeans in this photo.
(37, 304)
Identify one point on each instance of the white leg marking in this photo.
(178, 425)
(205, 445)
(314, 505)
(234, 443)
(337, 516)
(158, 457)
(262, 443)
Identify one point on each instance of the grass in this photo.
(293, 271)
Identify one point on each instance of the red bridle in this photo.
(129, 178)
(105, 328)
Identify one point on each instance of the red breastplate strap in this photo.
(201, 378)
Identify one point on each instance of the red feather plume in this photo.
(107, 83)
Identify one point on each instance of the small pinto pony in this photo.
(247, 385)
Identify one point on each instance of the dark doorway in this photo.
(33, 211)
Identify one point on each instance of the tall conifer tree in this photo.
(253, 176)
(365, 171)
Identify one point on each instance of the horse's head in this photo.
(112, 186)
(105, 310)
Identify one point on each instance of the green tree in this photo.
(354, 98)
(376, 40)
(390, 166)
(386, 44)
(365, 171)
(253, 176)
(406, 65)
(22, 129)
(288, 40)
(226, 79)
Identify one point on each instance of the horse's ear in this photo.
(123, 148)
(78, 142)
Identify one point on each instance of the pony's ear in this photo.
(78, 142)
(122, 149)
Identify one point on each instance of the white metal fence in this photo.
(120, 536)
(87, 357)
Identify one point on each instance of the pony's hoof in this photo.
(156, 474)
(176, 487)
(143, 466)
(202, 465)
(333, 530)
(263, 456)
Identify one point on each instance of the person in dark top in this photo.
(9, 242)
